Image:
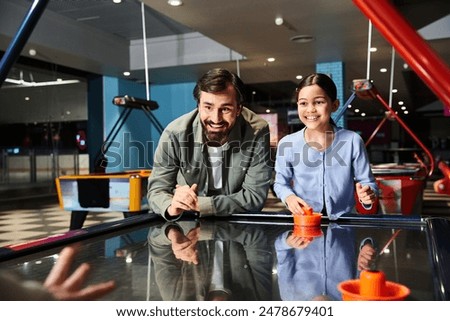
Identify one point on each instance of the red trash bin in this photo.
(401, 189)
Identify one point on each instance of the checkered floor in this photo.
(39, 219)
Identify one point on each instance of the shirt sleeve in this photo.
(283, 171)
(163, 176)
(361, 165)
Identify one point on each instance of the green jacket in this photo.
(182, 158)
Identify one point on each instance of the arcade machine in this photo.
(105, 192)
(401, 184)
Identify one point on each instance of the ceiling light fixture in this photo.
(126, 73)
(175, 3)
(271, 59)
(302, 38)
(383, 70)
(23, 83)
(279, 21)
(117, 1)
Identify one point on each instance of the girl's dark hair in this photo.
(321, 80)
(324, 82)
(217, 80)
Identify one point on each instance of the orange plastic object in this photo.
(308, 210)
(309, 232)
(372, 286)
(308, 220)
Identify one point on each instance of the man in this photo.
(205, 260)
(215, 159)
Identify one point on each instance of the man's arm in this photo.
(162, 180)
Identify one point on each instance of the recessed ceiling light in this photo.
(403, 108)
(126, 73)
(175, 3)
(394, 91)
(383, 70)
(302, 38)
(271, 59)
(356, 110)
(373, 49)
(363, 114)
(117, 1)
(406, 112)
(299, 77)
(400, 102)
(279, 21)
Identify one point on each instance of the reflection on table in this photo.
(247, 257)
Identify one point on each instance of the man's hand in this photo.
(184, 247)
(184, 199)
(69, 287)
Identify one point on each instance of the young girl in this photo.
(321, 165)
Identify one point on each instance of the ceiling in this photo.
(246, 27)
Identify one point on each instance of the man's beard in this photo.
(220, 137)
(213, 136)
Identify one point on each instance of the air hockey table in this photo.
(247, 256)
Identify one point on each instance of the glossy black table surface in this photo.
(247, 257)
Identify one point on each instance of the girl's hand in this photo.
(298, 242)
(366, 257)
(365, 194)
(295, 204)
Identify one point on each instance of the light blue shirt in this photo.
(317, 269)
(323, 178)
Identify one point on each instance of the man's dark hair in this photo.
(217, 80)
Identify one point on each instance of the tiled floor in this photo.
(40, 218)
(24, 218)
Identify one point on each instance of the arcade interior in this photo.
(63, 63)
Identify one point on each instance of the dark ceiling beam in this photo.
(20, 39)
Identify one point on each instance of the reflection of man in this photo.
(215, 159)
(312, 269)
(211, 261)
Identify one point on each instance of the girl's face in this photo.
(315, 107)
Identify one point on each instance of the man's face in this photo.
(218, 113)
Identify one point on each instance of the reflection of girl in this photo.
(314, 271)
(318, 166)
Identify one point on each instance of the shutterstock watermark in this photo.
(127, 154)
(304, 156)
